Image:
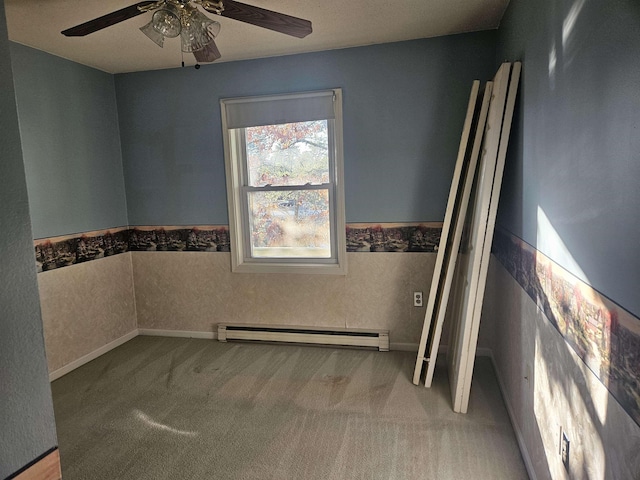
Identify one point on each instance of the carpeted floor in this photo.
(171, 408)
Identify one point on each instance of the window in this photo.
(283, 160)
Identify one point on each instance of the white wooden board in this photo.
(449, 214)
(471, 255)
(453, 245)
(467, 366)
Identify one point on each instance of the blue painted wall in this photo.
(27, 428)
(71, 144)
(404, 106)
(575, 152)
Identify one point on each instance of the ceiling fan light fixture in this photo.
(153, 34)
(166, 21)
(194, 39)
(212, 27)
(198, 31)
(173, 18)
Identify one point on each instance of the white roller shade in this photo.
(276, 110)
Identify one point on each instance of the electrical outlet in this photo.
(564, 449)
(417, 299)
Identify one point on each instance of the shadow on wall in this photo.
(572, 362)
(568, 380)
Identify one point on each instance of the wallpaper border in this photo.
(63, 251)
(602, 333)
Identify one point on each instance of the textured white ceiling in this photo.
(336, 24)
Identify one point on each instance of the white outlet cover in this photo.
(417, 299)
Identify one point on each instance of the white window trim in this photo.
(240, 261)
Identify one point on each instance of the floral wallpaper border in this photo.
(58, 252)
(603, 334)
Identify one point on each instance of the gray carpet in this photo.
(170, 408)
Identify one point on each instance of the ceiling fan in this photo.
(173, 18)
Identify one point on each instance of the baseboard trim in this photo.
(528, 464)
(152, 332)
(92, 355)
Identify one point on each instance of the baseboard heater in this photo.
(316, 335)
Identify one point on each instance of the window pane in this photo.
(288, 154)
(290, 224)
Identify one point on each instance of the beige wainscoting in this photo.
(85, 307)
(90, 308)
(193, 291)
(547, 387)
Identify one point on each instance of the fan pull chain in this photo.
(196, 66)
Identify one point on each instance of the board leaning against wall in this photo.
(482, 180)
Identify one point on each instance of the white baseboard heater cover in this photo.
(315, 335)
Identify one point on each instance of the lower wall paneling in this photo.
(178, 280)
(550, 387)
(86, 307)
(192, 291)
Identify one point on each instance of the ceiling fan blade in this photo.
(261, 17)
(210, 53)
(106, 20)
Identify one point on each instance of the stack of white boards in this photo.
(462, 260)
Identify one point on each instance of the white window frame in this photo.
(238, 188)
